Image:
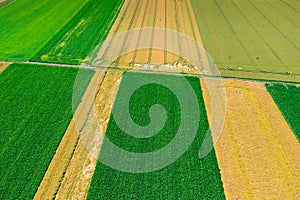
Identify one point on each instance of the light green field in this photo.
(251, 36)
(25, 26)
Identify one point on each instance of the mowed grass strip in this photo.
(77, 39)
(287, 98)
(251, 35)
(26, 26)
(36, 108)
(187, 178)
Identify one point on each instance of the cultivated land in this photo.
(78, 38)
(169, 14)
(186, 178)
(252, 38)
(257, 151)
(51, 184)
(26, 26)
(35, 111)
(75, 180)
(42, 157)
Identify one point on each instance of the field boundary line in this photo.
(89, 67)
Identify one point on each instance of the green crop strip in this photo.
(189, 177)
(26, 25)
(82, 34)
(287, 98)
(36, 108)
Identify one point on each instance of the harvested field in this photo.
(257, 151)
(252, 38)
(3, 66)
(175, 15)
(76, 180)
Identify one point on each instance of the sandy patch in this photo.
(258, 154)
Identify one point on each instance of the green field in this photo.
(189, 177)
(287, 98)
(77, 39)
(36, 108)
(251, 35)
(26, 26)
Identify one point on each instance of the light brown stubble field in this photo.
(257, 152)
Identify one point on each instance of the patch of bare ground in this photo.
(257, 152)
(3, 65)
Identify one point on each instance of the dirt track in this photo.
(136, 14)
(257, 152)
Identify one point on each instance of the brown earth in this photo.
(175, 15)
(257, 152)
(3, 65)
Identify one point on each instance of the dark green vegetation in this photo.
(287, 98)
(251, 35)
(35, 110)
(26, 25)
(187, 178)
(77, 39)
